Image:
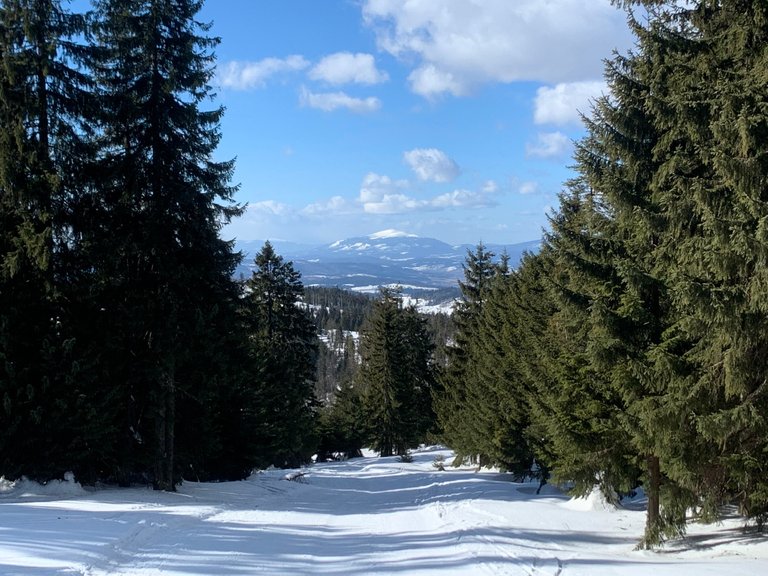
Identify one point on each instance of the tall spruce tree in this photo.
(284, 341)
(164, 274)
(454, 403)
(711, 104)
(499, 398)
(396, 376)
(42, 94)
(676, 322)
(618, 272)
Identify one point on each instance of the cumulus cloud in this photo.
(269, 207)
(490, 187)
(457, 46)
(562, 104)
(549, 145)
(431, 164)
(330, 101)
(348, 68)
(430, 81)
(248, 75)
(336, 205)
(528, 188)
(461, 199)
(382, 195)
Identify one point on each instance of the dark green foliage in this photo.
(338, 315)
(284, 344)
(396, 376)
(634, 345)
(713, 104)
(342, 427)
(40, 104)
(334, 308)
(116, 291)
(164, 274)
(462, 395)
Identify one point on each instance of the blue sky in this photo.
(444, 118)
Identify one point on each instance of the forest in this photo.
(629, 351)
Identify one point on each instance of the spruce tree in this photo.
(284, 345)
(42, 94)
(396, 376)
(163, 273)
(454, 403)
(617, 272)
(712, 104)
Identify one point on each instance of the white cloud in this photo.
(249, 75)
(549, 145)
(456, 46)
(269, 207)
(430, 81)
(330, 101)
(490, 187)
(382, 195)
(461, 199)
(528, 188)
(348, 68)
(393, 204)
(336, 205)
(562, 104)
(431, 164)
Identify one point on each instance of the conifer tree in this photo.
(284, 341)
(41, 98)
(396, 376)
(711, 105)
(164, 275)
(616, 271)
(456, 402)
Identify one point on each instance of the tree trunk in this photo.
(653, 523)
(164, 427)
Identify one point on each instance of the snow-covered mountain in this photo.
(384, 258)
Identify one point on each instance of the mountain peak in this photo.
(391, 233)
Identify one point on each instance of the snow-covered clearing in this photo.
(363, 516)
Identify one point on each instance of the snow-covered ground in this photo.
(364, 516)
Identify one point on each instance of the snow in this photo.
(363, 516)
(391, 233)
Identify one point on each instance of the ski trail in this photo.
(363, 517)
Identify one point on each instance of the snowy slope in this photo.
(365, 516)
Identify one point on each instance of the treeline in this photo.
(337, 309)
(632, 349)
(127, 351)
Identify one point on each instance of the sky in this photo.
(451, 119)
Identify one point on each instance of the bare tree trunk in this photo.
(164, 427)
(653, 524)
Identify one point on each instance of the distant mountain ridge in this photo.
(388, 257)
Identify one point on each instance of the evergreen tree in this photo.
(500, 395)
(609, 236)
(396, 376)
(711, 105)
(455, 405)
(163, 273)
(342, 425)
(41, 99)
(285, 349)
